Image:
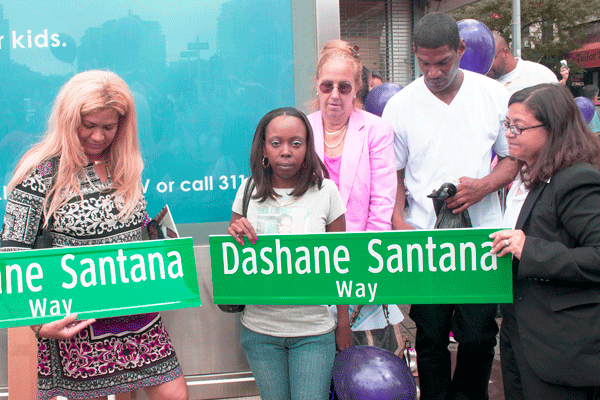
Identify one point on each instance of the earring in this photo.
(265, 164)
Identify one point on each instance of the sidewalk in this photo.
(496, 390)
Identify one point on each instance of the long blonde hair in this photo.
(85, 93)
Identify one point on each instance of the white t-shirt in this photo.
(311, 213)
(527, 74)
(436, 143)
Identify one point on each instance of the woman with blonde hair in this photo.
(82, 183)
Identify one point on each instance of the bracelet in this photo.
(37, 331)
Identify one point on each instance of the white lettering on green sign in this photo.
(283, 255)
(136, 268)
(447, 260)
(137, 272)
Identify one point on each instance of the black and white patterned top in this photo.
(80, 222)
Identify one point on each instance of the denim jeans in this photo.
(290, 368)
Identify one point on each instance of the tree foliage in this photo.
(549, 28)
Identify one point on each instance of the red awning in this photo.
(587, 56)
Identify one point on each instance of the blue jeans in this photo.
(290, 368)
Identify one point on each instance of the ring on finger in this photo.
(506, 243)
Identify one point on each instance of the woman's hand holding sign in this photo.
(508, 241)
(241, 227)
(64, 328)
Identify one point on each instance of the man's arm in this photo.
(471, 191)
(398, 214)
(564, 72)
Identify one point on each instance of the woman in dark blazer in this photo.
(550, 336)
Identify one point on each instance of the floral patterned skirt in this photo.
(113, 355)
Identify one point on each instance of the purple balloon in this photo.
(586, 106)
(372, 373)
(378, 97)
(481, 48)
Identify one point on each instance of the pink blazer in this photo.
(367, 172)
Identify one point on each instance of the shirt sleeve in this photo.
(500, 145)
(392, 115)
(383, 178)
(24, 210)
(237, 202)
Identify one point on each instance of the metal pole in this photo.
(516, 28)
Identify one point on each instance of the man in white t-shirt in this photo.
(446, 124)
(514, 73)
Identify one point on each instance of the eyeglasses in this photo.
(516, 129)
(342, 87)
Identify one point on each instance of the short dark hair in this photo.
(364, 90)
(436, 30)
(312, 171)
(590, 91)
(377, 74)
(569, 140)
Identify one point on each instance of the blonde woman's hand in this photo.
(508, 241)
(64, 328)
(242, 227)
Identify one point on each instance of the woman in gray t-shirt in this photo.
(290, 349)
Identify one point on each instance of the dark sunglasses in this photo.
(343, 87)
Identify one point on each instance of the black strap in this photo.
(43, 239)
(54, 165)
(247, 194)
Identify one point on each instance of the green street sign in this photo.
(38, 286)
(395, 267)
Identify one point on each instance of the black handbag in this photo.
(43, 240)
(235, 308)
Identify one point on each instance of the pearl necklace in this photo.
(333, 146)
(336, 132)
(282, 204)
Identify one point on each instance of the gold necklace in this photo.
(333, 146)
(282, 204)
(97, 162)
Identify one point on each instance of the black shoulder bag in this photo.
(234, 308)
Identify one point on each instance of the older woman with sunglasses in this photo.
(355, 146)
(550, 336)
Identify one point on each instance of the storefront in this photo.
(588, 58)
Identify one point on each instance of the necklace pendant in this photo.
(282, 204)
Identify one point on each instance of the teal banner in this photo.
(397, 267)
(202, 74)
(38, 286)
